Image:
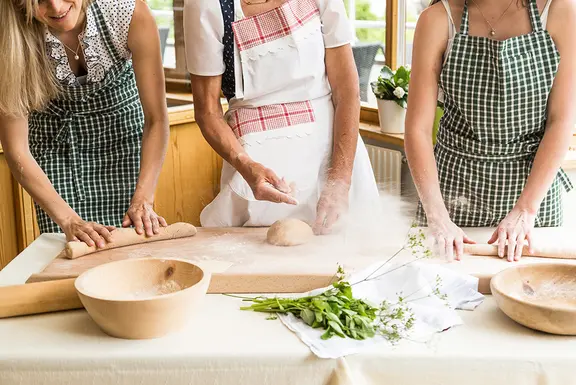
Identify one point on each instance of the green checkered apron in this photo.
(496, 95)
(87, 141)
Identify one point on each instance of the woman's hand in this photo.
(266, 185)
(142, 216)
(449, 239)
(514, 231)
(93, 234)
(332, 205)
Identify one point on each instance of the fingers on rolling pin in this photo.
(127, 237)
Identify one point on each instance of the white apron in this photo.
(279, 56)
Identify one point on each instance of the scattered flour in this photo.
(166, 287)
(555, 291)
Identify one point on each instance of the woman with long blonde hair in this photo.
(83, 117)
(506, 72)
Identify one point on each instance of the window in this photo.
(384, 32)
(164, 15)
(412, 10)
(368, 20)
(169, 18)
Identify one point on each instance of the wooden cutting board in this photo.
(242, 262)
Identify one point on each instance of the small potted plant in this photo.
(391, 90)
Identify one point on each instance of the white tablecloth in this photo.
(224, 345)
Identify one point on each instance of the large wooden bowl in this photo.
(142, 298)
(538, 296)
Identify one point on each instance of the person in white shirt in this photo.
(290, 138)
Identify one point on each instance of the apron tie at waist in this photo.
(529, 151)
(65, 135)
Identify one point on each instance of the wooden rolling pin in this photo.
(127, 237)
(561, 251)
(38, 298)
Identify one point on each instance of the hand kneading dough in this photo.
(289, 232)
(126, 237)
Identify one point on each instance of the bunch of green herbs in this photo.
(338, 313)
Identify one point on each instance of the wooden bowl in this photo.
(539, 296)
(142, 298)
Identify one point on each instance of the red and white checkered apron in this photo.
(277, 52)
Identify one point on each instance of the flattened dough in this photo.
(289, 232)
(127, 237)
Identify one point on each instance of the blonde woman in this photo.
(83, 118)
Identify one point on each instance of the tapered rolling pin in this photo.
(562, 251)
(38, 298)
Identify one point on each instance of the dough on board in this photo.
(289, 232)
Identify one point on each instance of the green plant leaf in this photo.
(332, 317)
(349, 312)
(319, 316)
(402, 77)
(347, 292)
(401, 102)
(337, 329)
(386, 73)
(319, 304)
(308, 316)
(328, 334)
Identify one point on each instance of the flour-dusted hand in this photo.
(449, 239)
(266, 185)
(93, 234)
(514, 231)
(332, 205)
(142, 216)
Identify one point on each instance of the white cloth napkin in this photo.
(416, 280)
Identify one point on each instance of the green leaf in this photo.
(337, 329)
(307, 316)
(328, 334)
(402, 76)
(386, 73)
(319, 304)
(319, 316)
(347, 292)
(401, 102)
(349, 312)
(272, 317)
(332, 317)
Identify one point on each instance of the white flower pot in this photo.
(392, 117)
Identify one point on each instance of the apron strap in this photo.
(535, 17)
(67, 134)
(464, 22)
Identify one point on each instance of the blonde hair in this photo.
(27, 81)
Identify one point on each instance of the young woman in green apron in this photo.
(505, 70)
(83, 118)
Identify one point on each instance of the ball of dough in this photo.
(289, 232)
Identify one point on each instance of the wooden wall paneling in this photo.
(26, 224)
(8, 237)
(190, 176)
